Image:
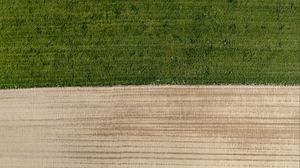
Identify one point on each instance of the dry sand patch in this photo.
(150, 126)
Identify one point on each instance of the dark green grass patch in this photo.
(112, 42)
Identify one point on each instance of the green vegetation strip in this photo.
(112, 42)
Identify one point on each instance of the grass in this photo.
(113, 42)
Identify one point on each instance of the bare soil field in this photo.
(150, 126)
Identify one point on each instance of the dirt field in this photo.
(150, 126)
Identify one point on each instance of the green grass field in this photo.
(112, 42)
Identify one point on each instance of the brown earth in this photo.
(150, 126)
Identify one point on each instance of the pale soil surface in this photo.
(150, 126)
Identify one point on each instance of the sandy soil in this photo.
(150, 126)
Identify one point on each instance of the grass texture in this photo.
(47, 43)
